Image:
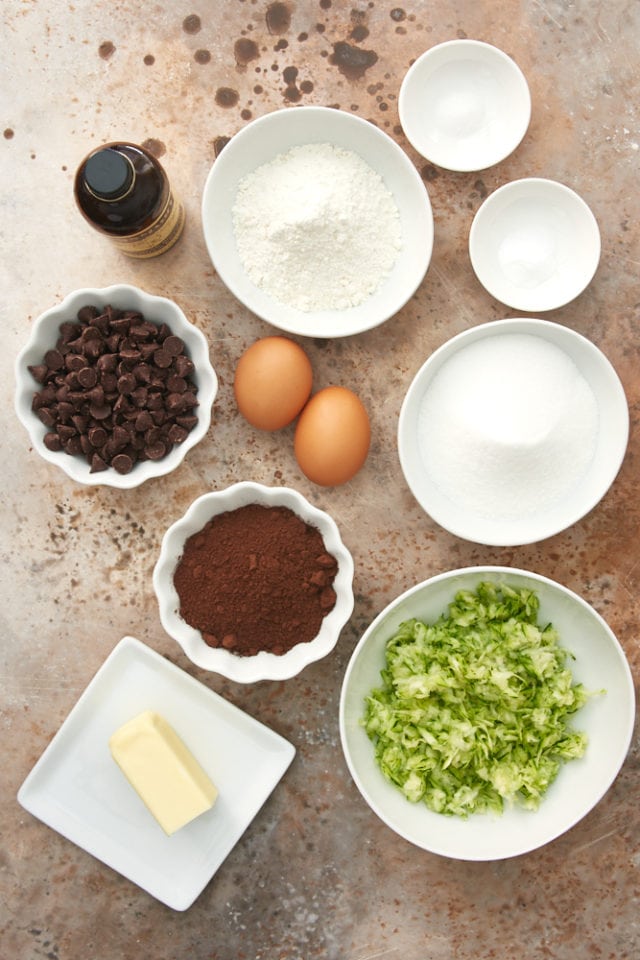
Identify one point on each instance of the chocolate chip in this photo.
(155, 450)
(98, 436)
(122, 463)
(184, 367)
(52, 441)
(173, 345)
(63, 392)
(127, 383)
(176, 384)
(120, 324)
(142, 372)
(45, 414)
(87, 313)
(89, 334)
(162, 359)
(75, 362)
(187, 422)
(96, 394)
(39, 372)
(107, 362)
(87, 377)
(92, 349)
(101, 322)
(109, 382)
(69, 330)
(100, 411)
(98, 464)
(177, 434)
(65, 410)
(54, 359)
(73, 445)
(80, 423)
(143, 421)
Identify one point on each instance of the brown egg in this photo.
(272, 382)
(332, 437)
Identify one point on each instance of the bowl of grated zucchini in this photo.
(485, 712)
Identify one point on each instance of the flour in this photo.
(316, 228)
(508, 426)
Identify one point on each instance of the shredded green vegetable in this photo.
(473, 710)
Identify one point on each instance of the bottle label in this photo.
(157, 238)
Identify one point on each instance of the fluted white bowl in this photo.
(264, 665)
(156, 309)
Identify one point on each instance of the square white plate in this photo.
(77, 788)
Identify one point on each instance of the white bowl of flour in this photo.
(512, 431)
(317, 222)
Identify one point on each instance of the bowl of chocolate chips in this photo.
(115, 386)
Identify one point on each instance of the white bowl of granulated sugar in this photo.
(317, 221)
(512, 431)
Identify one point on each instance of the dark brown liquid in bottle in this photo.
(121, 189)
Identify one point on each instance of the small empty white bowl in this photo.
(158, 310)
(274, 134)
(534, 244)
(474, 471)
(264, 665)
(464, 105)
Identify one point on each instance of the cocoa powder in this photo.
(256, 578)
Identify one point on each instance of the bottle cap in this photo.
(108, 174)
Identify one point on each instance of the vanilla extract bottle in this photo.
(124, 192)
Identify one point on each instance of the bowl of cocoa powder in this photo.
(254, 582)
(115, 386)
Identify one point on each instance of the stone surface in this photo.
(316, 875)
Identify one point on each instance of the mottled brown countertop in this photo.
(316, 874)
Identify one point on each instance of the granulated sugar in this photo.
(508, 426)
(316, 228)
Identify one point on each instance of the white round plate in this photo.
(534, 244)
(460, 515)
(607, 719)
(464, 105)
(260, 142)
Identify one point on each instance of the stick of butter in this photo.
(158, 765)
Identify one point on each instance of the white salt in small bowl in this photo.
(464, 105)
(534, 244)
(492, 465)
(275, 134)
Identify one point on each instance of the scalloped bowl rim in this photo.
(264, 665)
(580, 784)
(260, 141)
(123, 296)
